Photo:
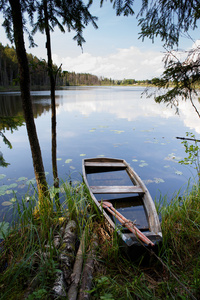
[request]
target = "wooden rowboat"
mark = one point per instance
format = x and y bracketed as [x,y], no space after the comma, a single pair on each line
[126,203]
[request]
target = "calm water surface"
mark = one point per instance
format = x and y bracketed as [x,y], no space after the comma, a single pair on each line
[99,121]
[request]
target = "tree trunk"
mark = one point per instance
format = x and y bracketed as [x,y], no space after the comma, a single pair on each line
[53,103]
[26,98]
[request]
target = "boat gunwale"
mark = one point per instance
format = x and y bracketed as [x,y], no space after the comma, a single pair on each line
[152,217]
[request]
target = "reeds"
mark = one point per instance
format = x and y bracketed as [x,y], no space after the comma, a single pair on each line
[32,256]
[175,273]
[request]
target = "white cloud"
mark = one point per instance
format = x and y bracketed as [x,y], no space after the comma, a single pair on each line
[127,106]
[125,63]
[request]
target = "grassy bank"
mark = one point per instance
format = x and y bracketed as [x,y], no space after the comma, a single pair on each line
[30,258]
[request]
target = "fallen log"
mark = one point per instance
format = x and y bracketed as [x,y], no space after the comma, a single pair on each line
[67,250]
[75,276]
[87,275]
[67,254]
[59,288]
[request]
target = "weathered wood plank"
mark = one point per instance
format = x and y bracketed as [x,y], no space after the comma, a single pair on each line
[105,164]
[116,189]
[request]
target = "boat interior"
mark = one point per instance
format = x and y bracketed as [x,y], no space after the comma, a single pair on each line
[114,184]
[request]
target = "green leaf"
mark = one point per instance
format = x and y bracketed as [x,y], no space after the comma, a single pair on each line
[4,228]
[68,160]
[2,176]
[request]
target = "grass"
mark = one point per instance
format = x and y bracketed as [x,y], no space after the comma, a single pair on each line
[31,255]
[175,274]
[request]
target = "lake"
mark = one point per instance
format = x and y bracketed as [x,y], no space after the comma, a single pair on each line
[99,121]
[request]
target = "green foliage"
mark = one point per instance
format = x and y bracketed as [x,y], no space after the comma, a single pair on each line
[4,229]
[122,7]
[74,16]
[181,227]
[168,19]
[102,284]
[192,150]
[3,163]
[33,259]
[11,123]
[39,294]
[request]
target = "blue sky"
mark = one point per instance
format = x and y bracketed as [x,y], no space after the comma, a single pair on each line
[113,50]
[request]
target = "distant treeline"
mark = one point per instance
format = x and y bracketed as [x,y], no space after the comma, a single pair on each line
[9,77]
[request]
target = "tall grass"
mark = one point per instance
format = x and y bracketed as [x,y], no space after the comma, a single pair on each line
[32,256]
[175,274]
[29,250]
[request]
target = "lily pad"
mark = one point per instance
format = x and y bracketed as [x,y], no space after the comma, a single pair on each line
[21,186]
[8,192]
[158,180]
[4,227]
[147,181]
[7,189]
[13,200]
[68,160]
[118,131]
[178,172]
[101,126]
[21,179]
[2,176]
[92,130]
[31,181]
[82,154]
[135,160]
[73,168]
[143,164]
[12,186]
[6,203]
[147,130]
[3,189]
[59,158]
[172,157]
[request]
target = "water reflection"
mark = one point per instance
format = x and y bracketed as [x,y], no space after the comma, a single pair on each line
[110,121]
[128,104]
[124,103]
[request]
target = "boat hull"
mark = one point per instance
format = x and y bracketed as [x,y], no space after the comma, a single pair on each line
[113,180]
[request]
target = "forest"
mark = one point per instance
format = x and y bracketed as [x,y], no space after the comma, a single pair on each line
[9,74]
